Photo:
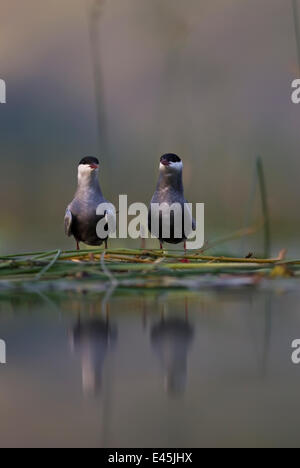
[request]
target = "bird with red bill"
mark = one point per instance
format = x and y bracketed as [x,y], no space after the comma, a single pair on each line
[81,217]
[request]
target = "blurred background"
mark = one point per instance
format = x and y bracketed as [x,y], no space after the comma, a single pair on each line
[128,80]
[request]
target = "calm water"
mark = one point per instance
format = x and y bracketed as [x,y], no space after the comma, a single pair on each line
[169,370]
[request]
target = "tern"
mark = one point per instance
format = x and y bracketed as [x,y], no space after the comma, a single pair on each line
[169,191]
[81,218]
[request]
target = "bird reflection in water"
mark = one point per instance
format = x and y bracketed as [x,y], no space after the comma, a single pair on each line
[171,340]
[93,339]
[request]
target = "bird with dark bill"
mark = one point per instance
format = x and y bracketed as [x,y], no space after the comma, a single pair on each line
[169,191]
[81,218]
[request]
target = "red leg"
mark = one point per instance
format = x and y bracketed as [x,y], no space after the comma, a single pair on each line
[185,260]
[77,245]
[161,246]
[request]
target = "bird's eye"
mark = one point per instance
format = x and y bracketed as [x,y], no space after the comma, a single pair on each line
[89,160]
[170,158]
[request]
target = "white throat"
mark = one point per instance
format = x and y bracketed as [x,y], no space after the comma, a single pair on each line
[87,175]
[174,167]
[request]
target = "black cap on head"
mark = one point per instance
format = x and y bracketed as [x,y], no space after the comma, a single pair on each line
[89,160]
[170,157]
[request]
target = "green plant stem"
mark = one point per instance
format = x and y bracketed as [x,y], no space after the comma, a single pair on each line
[295,10]
[264,204]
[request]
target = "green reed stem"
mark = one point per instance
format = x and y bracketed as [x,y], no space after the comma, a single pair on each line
[264,204]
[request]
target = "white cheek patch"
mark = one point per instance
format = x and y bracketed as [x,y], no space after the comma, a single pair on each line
[84,171]
[176,166]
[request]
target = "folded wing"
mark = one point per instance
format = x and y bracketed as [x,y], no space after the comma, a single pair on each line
[68,223]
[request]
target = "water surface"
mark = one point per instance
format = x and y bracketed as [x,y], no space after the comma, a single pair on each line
[150,370]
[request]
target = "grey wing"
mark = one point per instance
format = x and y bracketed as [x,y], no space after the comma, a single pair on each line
[68,222]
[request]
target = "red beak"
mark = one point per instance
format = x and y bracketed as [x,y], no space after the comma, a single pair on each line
[165,162]
[94,166]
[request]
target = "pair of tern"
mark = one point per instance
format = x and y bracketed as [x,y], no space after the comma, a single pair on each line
[81,218]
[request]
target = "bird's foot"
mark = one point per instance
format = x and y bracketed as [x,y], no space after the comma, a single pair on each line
[184,260]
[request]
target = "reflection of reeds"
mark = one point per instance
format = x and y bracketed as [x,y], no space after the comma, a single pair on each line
[295,9]
[94,14]
[267,333]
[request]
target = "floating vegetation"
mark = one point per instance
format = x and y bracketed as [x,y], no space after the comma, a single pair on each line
[127,268]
